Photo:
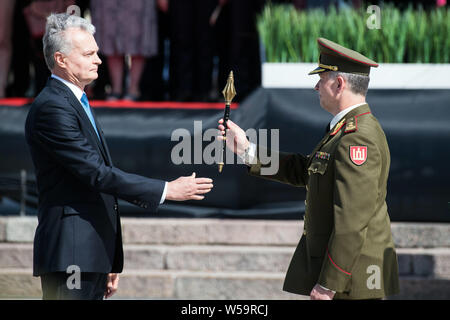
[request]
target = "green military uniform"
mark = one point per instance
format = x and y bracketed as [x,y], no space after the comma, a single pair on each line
[347,243]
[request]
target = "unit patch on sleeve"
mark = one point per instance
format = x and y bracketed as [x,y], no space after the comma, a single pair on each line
[358,154]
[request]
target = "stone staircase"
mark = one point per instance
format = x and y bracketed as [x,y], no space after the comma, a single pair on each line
[222,259]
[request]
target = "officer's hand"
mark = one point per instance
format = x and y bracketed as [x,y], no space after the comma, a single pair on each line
[236,139]
[188,188]
[112,283]
[319,293]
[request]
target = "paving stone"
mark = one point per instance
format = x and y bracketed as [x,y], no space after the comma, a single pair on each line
[144,257]
[232,286]
[164,231]
[230,258]
[145,284]
[255,232]
[14,255]
[21,229]
[422,262]
[19,284]
[420,235]
[139,284]
[223,231]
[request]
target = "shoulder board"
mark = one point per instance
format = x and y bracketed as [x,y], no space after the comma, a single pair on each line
[352,123]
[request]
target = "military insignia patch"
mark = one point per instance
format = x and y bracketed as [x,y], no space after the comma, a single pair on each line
[358,154]
[322,155]
[338,127]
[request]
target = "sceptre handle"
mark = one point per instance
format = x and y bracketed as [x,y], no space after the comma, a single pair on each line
[229,92]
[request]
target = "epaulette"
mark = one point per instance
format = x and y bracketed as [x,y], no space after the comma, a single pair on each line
[352,125]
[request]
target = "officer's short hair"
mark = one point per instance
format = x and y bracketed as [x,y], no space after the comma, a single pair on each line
[358,83]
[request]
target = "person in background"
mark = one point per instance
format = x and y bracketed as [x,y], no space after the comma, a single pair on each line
[441,3]
[191,49]
[238,45]
[6,18]
[125,28]
[309,4]
[35,14]
[154,80]
[21,55]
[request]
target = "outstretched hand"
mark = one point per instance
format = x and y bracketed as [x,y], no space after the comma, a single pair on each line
[188,188]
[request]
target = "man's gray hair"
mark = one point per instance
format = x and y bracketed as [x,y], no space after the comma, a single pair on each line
[54,38]
[358,83]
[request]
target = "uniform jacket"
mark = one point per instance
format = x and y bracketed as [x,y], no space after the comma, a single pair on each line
[78,215]
[347,242]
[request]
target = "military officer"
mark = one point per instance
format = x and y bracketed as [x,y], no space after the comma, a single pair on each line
[346,251]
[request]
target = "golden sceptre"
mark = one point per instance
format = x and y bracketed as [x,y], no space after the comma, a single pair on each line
[228,92]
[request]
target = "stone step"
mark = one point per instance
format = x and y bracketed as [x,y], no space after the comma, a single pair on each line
[434,262]
[229,232]
[139,284]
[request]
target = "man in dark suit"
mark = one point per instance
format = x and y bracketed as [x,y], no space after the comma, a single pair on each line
[79,226]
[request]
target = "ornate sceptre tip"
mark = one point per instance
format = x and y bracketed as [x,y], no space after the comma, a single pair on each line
[229,92]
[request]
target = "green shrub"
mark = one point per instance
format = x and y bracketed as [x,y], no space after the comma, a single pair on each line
[411,35]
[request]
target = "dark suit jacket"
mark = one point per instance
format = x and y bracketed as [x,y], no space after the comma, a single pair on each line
[79,222]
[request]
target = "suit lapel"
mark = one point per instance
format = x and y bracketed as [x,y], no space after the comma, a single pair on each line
[82,114]
[103,140]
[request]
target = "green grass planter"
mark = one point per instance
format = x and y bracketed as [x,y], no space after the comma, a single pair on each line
[408,36]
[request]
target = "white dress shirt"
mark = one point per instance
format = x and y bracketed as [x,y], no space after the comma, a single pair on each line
[78,94]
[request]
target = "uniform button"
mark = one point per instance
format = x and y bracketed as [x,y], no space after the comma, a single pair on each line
[116,207]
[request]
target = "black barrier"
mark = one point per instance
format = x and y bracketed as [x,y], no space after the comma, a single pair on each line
[415,123]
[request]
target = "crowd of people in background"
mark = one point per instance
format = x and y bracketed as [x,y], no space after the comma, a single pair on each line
[179,50]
